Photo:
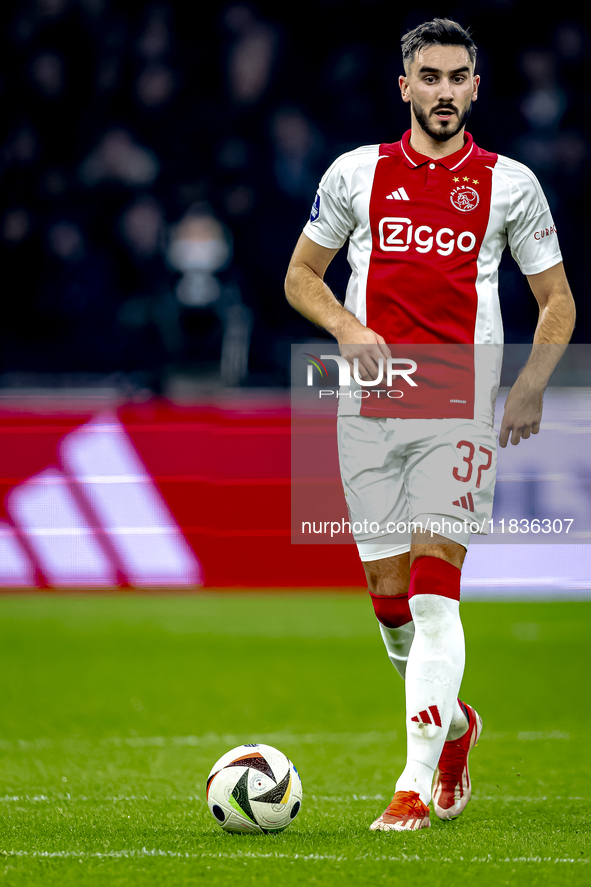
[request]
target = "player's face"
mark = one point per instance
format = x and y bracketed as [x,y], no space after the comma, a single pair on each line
[441,87]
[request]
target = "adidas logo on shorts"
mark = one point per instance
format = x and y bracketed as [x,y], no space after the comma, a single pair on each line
[466,502]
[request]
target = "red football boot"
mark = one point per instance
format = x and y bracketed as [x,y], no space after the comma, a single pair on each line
[451,783]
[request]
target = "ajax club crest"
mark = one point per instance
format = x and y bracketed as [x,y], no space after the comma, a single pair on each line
[464,198]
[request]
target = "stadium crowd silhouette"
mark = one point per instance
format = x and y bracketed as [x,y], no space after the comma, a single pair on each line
[158,162]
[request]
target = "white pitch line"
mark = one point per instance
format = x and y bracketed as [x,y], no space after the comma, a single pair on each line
[196,799]
[305,857]
[196,741]
[525,799]
[270,738]
[513,799]
[525,736]
[99,799]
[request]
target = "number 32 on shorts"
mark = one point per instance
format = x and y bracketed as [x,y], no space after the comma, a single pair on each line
[483,463]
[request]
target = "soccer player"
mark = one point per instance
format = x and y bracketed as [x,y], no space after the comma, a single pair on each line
[426,220]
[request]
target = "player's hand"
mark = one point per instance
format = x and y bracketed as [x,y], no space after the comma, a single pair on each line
[523,412]
[358,342]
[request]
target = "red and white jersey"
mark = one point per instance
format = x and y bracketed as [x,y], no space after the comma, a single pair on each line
[426,238]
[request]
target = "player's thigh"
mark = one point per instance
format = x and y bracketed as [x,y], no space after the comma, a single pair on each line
[450,480]
[372,472]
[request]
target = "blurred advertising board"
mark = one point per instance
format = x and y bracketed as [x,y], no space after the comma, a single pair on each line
[161,496]
[151,495]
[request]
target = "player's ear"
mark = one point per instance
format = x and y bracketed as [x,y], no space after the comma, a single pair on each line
[403,84]
[476,85]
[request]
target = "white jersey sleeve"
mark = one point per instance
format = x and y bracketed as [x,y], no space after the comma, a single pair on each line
[333,218]
[531,232]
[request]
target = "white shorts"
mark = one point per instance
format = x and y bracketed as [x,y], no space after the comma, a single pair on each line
[402,474]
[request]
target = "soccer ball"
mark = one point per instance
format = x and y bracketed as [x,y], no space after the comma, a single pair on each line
[254,788]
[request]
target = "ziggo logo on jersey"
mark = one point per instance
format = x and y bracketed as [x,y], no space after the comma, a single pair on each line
[397,235]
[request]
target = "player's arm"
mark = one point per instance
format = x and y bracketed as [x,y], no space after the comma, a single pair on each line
[523,407]
[307,292]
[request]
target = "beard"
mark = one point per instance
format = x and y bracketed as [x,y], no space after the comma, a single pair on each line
[446,132]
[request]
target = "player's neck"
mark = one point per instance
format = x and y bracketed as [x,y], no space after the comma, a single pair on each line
[424,144]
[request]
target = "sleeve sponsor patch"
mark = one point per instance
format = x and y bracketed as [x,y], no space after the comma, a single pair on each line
[315,211]
[545,232]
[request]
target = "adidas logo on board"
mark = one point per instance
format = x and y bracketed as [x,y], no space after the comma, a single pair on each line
[97,520]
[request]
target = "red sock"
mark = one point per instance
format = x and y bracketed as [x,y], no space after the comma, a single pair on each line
[391,611]
[433,575]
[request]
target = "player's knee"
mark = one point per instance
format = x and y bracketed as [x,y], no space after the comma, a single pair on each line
[393,612]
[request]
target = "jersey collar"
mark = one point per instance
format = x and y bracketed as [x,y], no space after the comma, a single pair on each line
[451,162]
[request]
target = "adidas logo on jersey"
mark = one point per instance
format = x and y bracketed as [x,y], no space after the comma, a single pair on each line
[400,194]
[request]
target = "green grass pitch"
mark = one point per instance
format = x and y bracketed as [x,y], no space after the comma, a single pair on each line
[114,708]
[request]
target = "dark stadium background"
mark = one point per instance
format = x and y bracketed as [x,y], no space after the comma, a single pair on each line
[119,120]
[158,162]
